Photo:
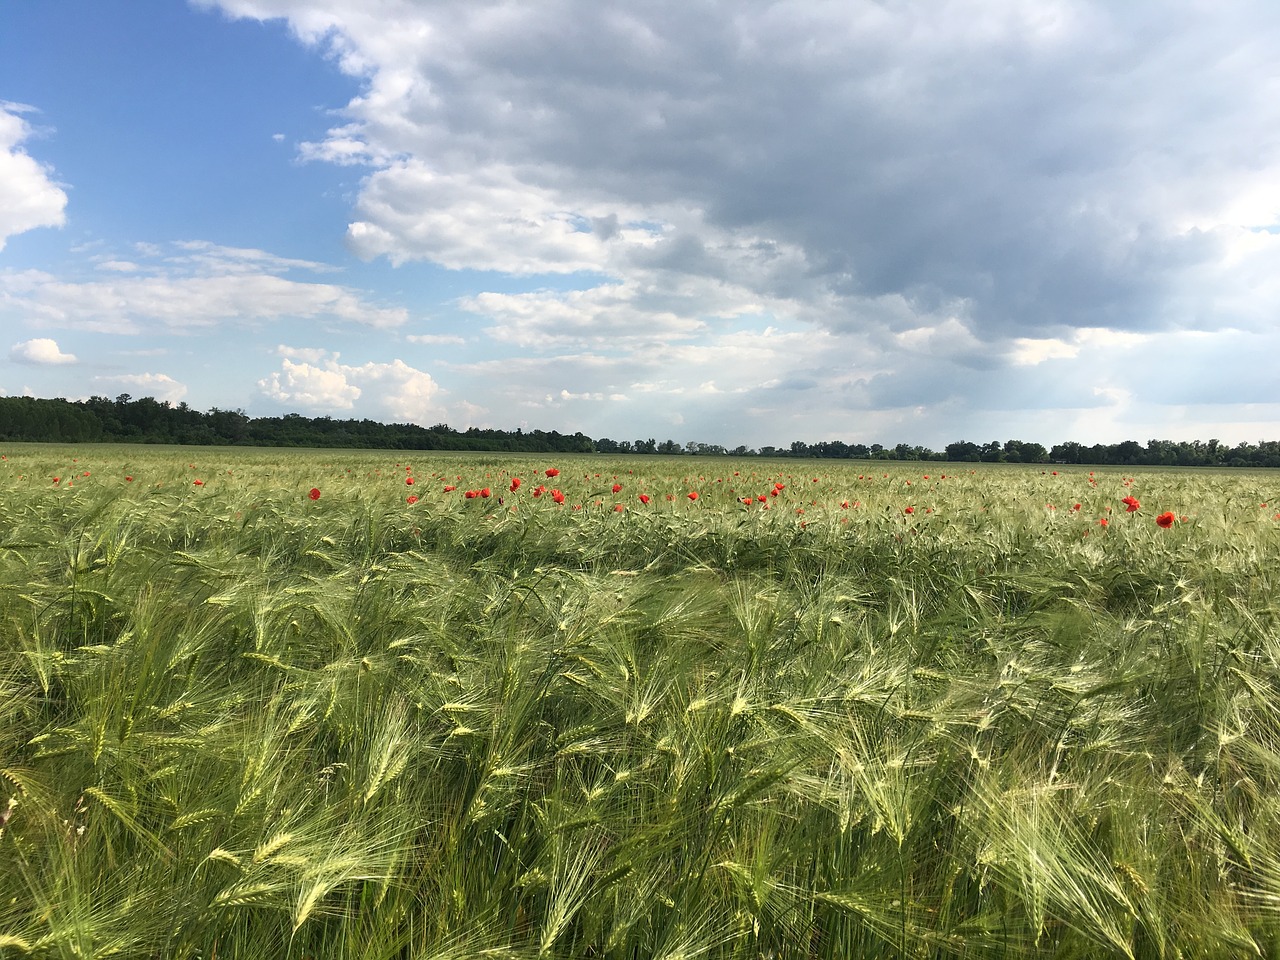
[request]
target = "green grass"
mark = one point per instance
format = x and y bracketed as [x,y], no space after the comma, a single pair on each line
[236,722]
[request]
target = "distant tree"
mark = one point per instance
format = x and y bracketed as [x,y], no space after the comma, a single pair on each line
[1069,452]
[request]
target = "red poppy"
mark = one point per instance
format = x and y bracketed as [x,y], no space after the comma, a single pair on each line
[1075,506]
[557,496]
[408,481]
[314,494]
[57,479]
[617,508]
[486,493]
[128,479]
[617,488]
[644,498]
[515,484]
[411,499]
[198,483]
[693,494]
[1165,519]
[909,510]
[1131,504]
[1104,522]
[553,472]
[539,491]
[449,488]
[471,494]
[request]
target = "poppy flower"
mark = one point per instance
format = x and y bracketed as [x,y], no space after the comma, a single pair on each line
[515,484]
[449,487]
[486,493]
[617,508]
[617,488]
[557,496]
[1131,504]
[553,472]
[909,510]
[1165,519]
[128,479]
[314,493]
[471,494]
[198,483]
[693,494]
[411,499]
[644,498]
[1075,507]
[539,491]
[1104,522]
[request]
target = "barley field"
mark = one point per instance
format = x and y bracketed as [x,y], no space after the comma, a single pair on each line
[264,703]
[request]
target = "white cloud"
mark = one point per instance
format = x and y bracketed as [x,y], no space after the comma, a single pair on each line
[320,382]
[118,266]
[211,259]
[1029,352]
[436,339]
[39,351]
[316,388]
[480,220]
[199,287]
[159,385]
[29,198]
[306,354]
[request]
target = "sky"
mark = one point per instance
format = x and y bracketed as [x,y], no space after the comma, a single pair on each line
[728,221]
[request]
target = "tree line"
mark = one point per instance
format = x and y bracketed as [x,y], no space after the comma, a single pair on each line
[147,420]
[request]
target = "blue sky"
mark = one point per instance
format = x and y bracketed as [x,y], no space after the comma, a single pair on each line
[745,222]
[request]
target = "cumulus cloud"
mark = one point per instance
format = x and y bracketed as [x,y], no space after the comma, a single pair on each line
[314,387]
[40,351]
[318,381]
[196,285]
[29,197]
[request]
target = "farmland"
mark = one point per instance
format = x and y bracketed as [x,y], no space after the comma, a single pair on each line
[346,704]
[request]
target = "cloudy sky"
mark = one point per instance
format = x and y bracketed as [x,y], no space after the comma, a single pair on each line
[733,221]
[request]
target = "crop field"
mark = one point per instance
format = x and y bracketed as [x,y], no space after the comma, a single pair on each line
[263,703]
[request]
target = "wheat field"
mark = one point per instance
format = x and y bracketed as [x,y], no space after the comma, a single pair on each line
[256,703]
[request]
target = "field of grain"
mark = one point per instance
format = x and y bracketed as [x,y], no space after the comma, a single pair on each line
[372,705]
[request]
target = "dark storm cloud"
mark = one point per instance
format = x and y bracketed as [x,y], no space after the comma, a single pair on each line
[1040,163]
